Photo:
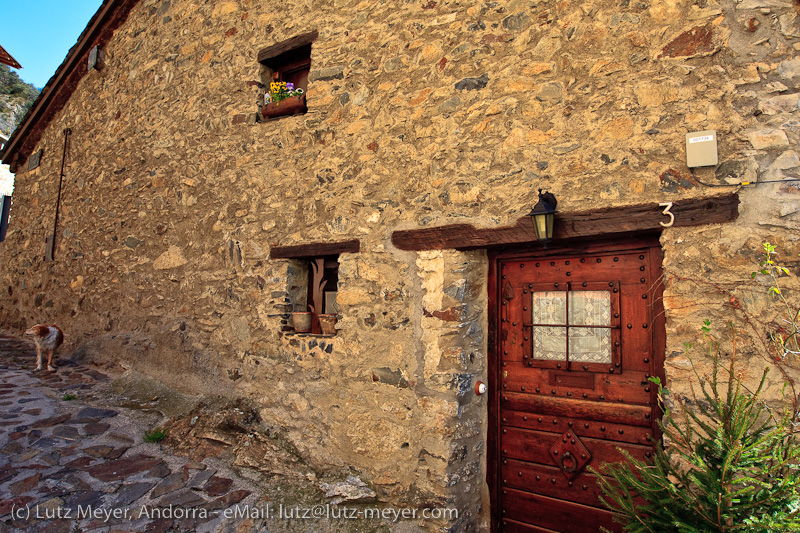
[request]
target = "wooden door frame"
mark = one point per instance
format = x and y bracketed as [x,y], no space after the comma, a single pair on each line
[658,331]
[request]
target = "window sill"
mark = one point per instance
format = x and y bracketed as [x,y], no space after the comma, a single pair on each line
[295,334]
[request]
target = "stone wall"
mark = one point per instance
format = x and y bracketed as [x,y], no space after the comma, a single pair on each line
[420,113]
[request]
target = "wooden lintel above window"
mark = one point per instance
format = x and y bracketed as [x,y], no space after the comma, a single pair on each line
[608,221]
[314,250]
[280,48]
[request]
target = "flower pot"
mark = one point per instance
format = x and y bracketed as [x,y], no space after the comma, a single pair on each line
[327,324]
[293,105]
[301,321]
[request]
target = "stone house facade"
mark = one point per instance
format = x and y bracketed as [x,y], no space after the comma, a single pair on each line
[162,220]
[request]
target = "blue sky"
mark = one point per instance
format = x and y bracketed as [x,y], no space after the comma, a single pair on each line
[39,33]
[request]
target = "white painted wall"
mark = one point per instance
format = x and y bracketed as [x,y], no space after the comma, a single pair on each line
[6,181]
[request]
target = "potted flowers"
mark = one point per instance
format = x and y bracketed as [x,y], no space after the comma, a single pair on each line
[283,99]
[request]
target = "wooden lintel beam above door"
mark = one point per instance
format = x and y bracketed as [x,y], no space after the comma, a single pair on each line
[608,221]
[314,250]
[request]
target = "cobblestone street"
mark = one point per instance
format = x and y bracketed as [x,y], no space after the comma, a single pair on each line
[70,460]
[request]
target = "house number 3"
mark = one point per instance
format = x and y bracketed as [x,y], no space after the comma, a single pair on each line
[667,206]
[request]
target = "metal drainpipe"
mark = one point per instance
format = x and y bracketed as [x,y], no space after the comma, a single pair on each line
[51,240]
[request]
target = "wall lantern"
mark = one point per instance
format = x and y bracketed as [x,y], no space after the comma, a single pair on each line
[543,215]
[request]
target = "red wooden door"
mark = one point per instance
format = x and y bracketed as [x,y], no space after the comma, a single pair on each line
[577,334]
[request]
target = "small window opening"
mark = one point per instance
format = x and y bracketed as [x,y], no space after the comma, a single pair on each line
[285,69]
[323,283]
[318,300]
[313,281]
[291,67]
[312,292]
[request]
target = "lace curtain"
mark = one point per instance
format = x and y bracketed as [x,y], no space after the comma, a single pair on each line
[586,308]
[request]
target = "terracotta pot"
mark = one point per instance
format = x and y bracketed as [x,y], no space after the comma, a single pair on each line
[290,106]
[301,321]
[327,324]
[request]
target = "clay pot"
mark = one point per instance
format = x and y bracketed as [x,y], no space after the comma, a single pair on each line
[301,321]
[327,324]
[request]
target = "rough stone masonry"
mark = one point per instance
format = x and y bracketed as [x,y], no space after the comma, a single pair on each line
[420,113]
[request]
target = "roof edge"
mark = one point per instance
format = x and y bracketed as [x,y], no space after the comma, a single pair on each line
[57,91]
[8,59]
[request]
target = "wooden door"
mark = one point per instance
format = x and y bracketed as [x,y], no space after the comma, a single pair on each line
[576,335]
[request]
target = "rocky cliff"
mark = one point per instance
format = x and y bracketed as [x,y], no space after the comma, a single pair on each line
[16,97]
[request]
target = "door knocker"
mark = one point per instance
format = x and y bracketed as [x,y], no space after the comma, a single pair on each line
[573,463]
[570,455]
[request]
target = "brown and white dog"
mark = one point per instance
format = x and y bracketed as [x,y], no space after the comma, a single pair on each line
[47,337]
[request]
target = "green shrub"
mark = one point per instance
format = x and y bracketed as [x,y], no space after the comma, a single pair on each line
[731,463]
[11,84]
[155,435]
[731,466]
